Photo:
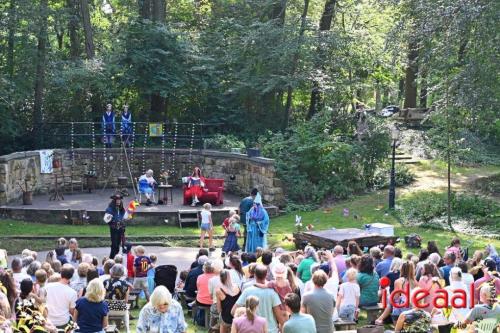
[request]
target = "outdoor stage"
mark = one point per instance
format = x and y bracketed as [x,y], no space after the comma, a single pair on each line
[93,205]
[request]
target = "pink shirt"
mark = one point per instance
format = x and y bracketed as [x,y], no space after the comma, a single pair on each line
[243,325]
[455,250]
[203,296]
[478,283]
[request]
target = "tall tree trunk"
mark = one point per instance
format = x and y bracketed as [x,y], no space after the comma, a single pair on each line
[325,24]
[74,39]
[401,90]
[423,89]
[159,11]
[145,8]
[11,42]
[40,71]
[288,105]
[87,29]
[158,102]
[378,97]
[411,77]
[278,12]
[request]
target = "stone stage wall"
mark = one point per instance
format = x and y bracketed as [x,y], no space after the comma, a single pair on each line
[240,173]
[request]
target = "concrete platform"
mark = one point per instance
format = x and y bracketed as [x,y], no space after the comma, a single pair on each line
[69,210]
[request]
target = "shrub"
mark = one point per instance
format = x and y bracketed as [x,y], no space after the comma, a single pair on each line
[224,142]
[315,162]
[382,177]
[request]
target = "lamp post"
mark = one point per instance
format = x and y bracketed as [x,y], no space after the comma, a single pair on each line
[392,186]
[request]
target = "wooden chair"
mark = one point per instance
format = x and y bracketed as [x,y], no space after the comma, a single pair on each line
[120,315]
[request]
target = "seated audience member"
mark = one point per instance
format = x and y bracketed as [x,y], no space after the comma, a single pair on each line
[338,252]
[190,287]
[348,297]
[201,252]
[203,297]
[39,287]
[91,274]
[227,294]
[17,274]
[106,268]
[488,268]
[29,311]
[384,266]
[73,253]
[179,285]
[415,320]
[5,314]
[368,281]
[455,249]
[56,266]
[449,260]
[32,268]
[91,311]
[61,299]
[394,272]
[488,307]
[491,253]
[376,254]
[354,249]
[456,283]
[117,288]
[250,281]
[250,321]
[147,185]
[298,322]
[320,304]
[81,281]
[268,299]
[280,285]
[304,268]
[161,314]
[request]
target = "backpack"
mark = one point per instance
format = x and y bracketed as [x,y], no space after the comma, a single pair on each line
[413,241]
[165,275]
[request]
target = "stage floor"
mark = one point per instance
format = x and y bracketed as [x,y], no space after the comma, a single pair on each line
[70,210]
[98,200]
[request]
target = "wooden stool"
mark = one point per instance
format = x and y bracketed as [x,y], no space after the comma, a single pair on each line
[372,312]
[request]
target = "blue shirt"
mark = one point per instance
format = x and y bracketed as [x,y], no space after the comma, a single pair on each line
[446,273]
[190,284]
[300,323]
[90,315]
[384,267]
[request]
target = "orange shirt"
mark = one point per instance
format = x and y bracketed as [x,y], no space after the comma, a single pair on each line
[203,296]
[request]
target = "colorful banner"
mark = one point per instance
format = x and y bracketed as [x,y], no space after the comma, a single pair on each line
[155,129]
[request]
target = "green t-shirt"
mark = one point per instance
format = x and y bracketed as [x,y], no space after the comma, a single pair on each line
[268,299]
[368,285]
[304,269]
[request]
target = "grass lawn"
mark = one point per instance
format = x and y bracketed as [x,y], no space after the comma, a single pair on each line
[363,209]
[441,168]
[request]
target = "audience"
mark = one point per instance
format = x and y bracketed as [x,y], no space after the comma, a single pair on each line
[61,299]
[286,292]
[320,303]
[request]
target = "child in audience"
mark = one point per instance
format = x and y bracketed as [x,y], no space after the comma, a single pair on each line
[226,223]
[182,280]
[129,262]
[206,225]
[39,287]
[142,263]
[151,273]
[73,253]
[348,296]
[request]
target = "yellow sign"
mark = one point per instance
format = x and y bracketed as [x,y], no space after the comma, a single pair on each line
[155,129]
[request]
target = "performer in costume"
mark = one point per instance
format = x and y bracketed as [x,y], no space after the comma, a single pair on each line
[245,206]
[196,184]
[108,126]
[114,217]
[147,185]
[257,221]
[127,136]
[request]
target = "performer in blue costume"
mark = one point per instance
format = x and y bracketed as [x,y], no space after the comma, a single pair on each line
[127,136]
[257,221]
[108,126]
[245,205]
[114,217]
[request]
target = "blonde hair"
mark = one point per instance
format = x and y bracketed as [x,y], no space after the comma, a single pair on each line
[319,278]
[251,307]
[232,212]
[41,276]
[207,206]
[240,311]
[140,249]
[160,296]
[55,277]
[95,291]
[351,274]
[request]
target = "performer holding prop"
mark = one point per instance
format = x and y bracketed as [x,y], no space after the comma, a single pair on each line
[115,217]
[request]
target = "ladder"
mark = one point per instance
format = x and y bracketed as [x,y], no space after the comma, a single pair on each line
[188,216]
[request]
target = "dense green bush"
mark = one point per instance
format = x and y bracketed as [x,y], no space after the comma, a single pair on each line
[315,162]
[382,177]
[424,206]
[224,142]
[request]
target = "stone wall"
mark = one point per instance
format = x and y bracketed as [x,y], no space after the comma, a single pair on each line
[240,173]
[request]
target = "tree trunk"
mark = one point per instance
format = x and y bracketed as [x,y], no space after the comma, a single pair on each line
[411,77]
[74,39]
[87,29]
[401,90]
[278,12]
[325,24]
[378,97]
[288,105]
[40,71]
[10,44]
[145,8]
[423,89]
[159,11]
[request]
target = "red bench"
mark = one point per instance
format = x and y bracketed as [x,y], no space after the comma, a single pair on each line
[213,192]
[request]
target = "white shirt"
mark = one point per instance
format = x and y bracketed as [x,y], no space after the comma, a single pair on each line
[349,291]
[213,284]
[60,299]
[332,286]
[236,278]
[205,216]
[18,277]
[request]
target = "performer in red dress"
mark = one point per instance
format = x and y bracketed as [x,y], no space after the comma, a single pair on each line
[195,186]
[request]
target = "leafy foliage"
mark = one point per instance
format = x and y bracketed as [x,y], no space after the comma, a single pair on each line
[224,142]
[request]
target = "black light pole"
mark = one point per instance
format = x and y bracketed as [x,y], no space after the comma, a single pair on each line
[392,186]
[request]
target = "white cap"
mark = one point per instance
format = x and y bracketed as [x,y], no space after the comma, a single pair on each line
[258,199]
